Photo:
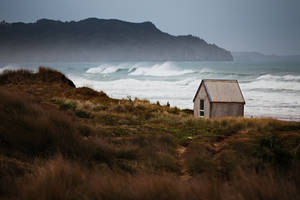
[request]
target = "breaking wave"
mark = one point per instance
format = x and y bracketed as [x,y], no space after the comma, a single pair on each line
[142,69]
[164,69]
[8,67]
[274,83]
[269,77]
[104,69]
[152,90]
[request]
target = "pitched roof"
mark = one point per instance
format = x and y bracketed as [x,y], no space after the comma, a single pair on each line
[227,91]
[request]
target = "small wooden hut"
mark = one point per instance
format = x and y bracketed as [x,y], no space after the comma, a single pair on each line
[219,98]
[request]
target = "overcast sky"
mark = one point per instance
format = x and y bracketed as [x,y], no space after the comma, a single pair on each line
[267,26]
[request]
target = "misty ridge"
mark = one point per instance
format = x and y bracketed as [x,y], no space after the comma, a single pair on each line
[260,57]
[95,39]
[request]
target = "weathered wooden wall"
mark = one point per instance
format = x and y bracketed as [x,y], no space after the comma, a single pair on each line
[201,95]
[227,109]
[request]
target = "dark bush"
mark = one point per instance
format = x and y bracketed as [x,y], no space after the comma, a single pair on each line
[270,149]
[82,114]
[67,106]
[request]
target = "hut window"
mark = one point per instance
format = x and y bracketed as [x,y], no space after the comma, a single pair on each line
[201,107]
[201,113]
[201,104]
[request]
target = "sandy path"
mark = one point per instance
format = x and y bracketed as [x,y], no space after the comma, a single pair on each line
[183,168]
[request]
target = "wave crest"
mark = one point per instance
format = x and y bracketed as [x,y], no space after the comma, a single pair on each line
[141,69]
[269,77]
[9,67]
[274,83]
[103,69]
[164,69]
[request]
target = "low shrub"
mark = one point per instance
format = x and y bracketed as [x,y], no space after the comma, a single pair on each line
[271,150]
[82,114]
[67,106]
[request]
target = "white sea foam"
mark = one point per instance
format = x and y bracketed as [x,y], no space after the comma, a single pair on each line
[9,67]
[270,104]
[273,95]
[272,82]
[163,91]
[272,85]
[279,78]
[164,69]
[103,69]
[206,70]
[144,69]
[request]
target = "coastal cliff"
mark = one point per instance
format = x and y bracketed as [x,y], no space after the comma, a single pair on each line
[101,40]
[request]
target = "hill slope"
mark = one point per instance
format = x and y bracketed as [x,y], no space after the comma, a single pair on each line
[101,40]
[62,142]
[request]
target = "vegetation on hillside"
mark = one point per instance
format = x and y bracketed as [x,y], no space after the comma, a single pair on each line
[62,142]
[97,40]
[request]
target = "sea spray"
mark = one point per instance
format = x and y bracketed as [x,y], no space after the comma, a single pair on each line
[9,67]
[164,69]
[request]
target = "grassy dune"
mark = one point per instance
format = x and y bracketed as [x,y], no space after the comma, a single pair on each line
[62,142]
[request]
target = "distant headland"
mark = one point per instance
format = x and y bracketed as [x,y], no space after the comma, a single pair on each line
[95,39]
[260,57]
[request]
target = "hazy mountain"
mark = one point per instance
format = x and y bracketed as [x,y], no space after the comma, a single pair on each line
[101,40]
[257,57]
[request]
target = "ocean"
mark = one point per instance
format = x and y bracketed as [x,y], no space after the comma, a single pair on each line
[271,89]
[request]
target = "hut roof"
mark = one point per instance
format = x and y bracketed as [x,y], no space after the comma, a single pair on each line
[223,91]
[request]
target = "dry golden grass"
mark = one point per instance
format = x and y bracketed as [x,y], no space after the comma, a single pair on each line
[60,179]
